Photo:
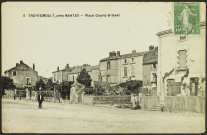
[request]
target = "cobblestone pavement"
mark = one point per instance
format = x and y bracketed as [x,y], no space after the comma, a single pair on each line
[20,116]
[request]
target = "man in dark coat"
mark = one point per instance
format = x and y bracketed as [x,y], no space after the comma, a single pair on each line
[40,99]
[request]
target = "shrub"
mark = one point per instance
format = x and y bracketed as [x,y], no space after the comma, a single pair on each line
[132,86]
[84,78]
[89,90]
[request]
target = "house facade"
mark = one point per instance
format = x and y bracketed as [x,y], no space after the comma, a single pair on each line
[181,64]
[22,75]
[150,59]
[61,75]
[119,68]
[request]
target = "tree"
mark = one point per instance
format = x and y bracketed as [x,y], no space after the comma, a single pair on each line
[39,84]
[84,78]
[6,83]
[64,88]
[49,84]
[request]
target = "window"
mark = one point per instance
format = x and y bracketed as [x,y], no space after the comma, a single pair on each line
[154,77]
[132,71]
[14,73]
[182,59]
[108,65]
[125,71]
[28,80]
[154,65]
[132,59]
[73,78]
[125,60]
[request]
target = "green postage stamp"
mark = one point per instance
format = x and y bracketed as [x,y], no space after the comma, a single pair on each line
[186,18]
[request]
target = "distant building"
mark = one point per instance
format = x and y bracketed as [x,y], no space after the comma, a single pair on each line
[119,68]
[22,75]
[181,63]
[150,68]
[93,71]
[44,79]
[61,75]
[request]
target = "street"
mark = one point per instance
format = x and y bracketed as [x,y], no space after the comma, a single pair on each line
[20,116]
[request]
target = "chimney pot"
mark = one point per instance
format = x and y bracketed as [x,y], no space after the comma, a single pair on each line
[133,51]
[58,68]
[33,66]
[151,47]
[21,62]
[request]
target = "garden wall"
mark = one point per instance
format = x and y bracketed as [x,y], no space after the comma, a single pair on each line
[89,99]
[148,102]
[189,103]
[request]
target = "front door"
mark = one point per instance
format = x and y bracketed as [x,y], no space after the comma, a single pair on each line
[194,86]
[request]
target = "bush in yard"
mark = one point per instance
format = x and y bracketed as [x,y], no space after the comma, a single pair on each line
[64,88]
[84,78]
[130,87]
[39,84]
[89,90]
[99,90]
[49,84]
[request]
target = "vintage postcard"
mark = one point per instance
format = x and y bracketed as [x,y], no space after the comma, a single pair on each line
[103,67]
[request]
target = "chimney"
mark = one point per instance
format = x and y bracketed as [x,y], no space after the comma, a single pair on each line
[21,62]
[67,66]
[110,54]
[58,68]
[17,64]
[133,51]
[118,53]
[33,66]
[151,47]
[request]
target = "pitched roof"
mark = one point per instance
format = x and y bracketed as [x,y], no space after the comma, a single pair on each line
[70,69]
[150,57]
[129,55]
[88,69]
[21,66]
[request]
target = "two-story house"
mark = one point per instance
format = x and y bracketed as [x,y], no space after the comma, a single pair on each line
[181,63]
[93,71]
[61,75]
[119,68]
[22,75]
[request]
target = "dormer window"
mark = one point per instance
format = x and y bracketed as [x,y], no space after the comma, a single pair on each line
[14,73]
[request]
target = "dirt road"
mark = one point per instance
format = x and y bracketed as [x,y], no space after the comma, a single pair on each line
[22,116]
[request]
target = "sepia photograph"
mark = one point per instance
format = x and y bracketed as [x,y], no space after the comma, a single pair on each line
[103,67]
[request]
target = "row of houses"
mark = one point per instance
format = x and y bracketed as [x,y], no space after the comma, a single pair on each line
[175,67]
[116,68]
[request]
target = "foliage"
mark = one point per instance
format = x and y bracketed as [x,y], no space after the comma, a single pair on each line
[39,84]
[49,84]
[185,75]
[64,88]
[84,78]
[89,90]
[167,74]
[99,90]
[6,83]
[132,86]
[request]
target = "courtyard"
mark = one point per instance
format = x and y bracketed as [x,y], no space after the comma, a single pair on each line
[20,116]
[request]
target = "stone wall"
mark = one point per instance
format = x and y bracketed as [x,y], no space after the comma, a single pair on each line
[189,103]
[148,102]
[89,99]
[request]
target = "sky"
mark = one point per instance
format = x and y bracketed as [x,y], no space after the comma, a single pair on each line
[55,41]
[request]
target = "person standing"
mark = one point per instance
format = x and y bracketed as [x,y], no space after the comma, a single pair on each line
[40,98]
